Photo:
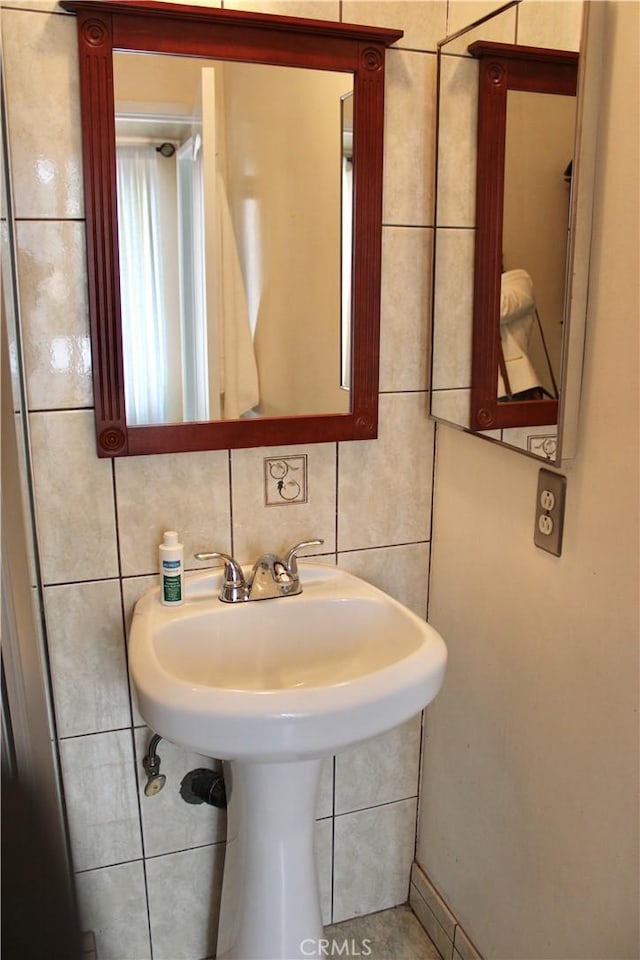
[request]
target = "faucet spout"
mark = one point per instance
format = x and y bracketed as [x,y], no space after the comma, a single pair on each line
[272,578]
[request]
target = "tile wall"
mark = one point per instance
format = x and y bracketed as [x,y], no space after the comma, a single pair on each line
[148,870]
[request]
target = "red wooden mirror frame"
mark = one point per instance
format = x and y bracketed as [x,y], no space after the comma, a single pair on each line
[503,67]
[144,25]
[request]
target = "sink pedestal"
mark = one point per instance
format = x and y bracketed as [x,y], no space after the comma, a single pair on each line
[270,907]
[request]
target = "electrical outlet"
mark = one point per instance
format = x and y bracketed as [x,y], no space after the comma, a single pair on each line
[285,480]
[550,497]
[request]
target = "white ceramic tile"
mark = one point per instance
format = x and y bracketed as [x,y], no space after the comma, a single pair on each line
[424,23]
[453,309]
[373,852]
[100,794]
[402,572]
[112,902]
[324,806]
[132,590]
[74,497]
[258,528]
[384,485]
[408,138]
[169,823]
[43,106]
[544,24]
[462,13]
[36,6]
[311,9]
[87,656]
[457,147]
[379,771]
[452,406]
[404,308]
[184,902]
[324,865]
[187,492]
[55,323]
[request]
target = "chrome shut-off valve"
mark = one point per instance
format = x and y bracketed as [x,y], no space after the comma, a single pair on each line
[151,765]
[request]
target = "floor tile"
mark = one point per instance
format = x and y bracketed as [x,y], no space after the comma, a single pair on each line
[389,935]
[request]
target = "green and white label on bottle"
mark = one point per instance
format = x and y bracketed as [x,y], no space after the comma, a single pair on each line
[171,581]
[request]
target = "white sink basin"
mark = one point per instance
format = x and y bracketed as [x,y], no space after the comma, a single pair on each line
[281,679]
[272,686]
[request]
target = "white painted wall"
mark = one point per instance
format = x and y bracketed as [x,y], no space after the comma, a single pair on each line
[529,812]
[295,197]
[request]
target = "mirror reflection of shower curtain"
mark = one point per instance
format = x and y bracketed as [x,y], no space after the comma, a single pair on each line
[144,341]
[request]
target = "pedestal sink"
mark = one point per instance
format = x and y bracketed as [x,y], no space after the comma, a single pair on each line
[272,687]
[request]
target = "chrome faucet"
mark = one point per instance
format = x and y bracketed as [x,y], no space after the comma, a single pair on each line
[270,577]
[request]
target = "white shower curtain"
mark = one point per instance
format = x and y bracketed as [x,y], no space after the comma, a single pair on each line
[144,340]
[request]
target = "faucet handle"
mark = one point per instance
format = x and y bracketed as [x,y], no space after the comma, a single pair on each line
[290,559]
[234,586]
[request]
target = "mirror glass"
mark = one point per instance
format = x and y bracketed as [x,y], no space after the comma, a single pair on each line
[234,230]
[523,301]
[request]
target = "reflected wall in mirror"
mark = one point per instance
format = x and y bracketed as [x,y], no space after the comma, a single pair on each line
[234,271]
[506,222]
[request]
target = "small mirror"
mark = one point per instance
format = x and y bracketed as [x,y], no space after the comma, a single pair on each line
[508,214]
[233,185]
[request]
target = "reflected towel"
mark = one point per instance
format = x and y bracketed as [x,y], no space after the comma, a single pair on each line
[517,318]
[517,296]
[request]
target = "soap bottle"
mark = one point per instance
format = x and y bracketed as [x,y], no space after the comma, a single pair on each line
[171,569]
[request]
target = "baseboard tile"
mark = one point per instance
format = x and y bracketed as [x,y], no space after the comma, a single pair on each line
[428,920]
[463,947]
[437,919]
[89,946]
[433,900]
